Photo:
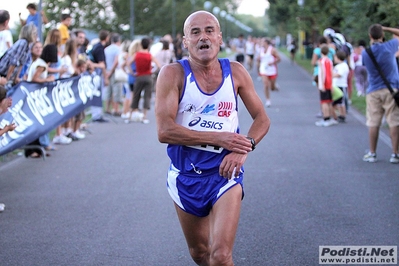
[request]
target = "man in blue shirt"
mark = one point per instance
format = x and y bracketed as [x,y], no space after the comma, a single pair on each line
[378,98]
[33,16]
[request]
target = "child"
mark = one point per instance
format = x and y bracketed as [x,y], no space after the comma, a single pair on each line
[81,67]
[340,79]
[337,104]
[324,81]
[5,103]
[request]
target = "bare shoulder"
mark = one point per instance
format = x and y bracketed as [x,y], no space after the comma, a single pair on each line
[170,77]
[171,70]
[240,74]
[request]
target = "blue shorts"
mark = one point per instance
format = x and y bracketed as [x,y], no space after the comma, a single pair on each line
[197,194]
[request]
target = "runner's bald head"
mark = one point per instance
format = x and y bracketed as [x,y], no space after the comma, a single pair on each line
[199,15]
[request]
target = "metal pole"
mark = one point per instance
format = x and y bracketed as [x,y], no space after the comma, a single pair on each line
[132,19]
[39,26]
[174,18]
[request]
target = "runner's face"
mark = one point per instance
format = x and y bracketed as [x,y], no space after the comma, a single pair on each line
[202,36]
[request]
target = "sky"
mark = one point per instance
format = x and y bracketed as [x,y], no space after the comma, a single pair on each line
[251,7]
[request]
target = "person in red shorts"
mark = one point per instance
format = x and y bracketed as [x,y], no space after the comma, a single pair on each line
[324,82]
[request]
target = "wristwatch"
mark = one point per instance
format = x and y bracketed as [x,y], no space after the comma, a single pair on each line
[252,143]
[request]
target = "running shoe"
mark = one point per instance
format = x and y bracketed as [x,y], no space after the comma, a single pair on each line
[370,157]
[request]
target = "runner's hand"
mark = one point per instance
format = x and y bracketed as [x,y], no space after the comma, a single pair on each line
[231,165]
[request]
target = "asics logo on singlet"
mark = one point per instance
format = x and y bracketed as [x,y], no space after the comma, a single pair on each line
[208,108]
[205,123]
[194,121]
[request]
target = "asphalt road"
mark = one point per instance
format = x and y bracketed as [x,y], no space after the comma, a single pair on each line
[103,200]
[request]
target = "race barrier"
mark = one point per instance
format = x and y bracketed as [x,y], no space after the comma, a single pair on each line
[38,108]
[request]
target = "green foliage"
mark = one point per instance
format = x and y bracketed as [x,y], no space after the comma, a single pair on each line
[351,17]
[152,17]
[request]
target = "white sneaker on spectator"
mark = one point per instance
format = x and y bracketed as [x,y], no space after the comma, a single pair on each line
[137,117]
[333,121]
[268,103]
[394,158]
[61,140]
[125,116]
[78,134]
[324,123]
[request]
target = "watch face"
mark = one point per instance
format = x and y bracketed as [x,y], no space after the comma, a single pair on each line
[252,142]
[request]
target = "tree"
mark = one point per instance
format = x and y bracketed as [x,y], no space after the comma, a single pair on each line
[350,17]
[152,17]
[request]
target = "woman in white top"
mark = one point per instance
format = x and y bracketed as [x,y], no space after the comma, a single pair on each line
[267,68]
[38,72]
[69,59]
[69,63]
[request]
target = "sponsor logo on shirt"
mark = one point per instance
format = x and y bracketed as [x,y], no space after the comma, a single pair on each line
[208,124]
[224,109]
[208,108]
[190,108]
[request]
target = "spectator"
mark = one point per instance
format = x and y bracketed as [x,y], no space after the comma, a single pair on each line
[361,80]
[5,103]
[178,46]
[143,82]
[97,61]
[80,38]
[324,82]
[340,79]
[81,67]
[17,56]
[114,90]
[6,40]
[134,47]
[38,72]
[33,16]
[379,100]
[165,56]
[317,55]
[68,61]
[127,99]
[63,28]
[53,40]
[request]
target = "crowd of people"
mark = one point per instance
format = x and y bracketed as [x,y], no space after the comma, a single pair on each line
[128,68]
[337,65]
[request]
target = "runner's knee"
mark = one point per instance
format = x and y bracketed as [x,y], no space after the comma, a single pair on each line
[221,256]
[199,254]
